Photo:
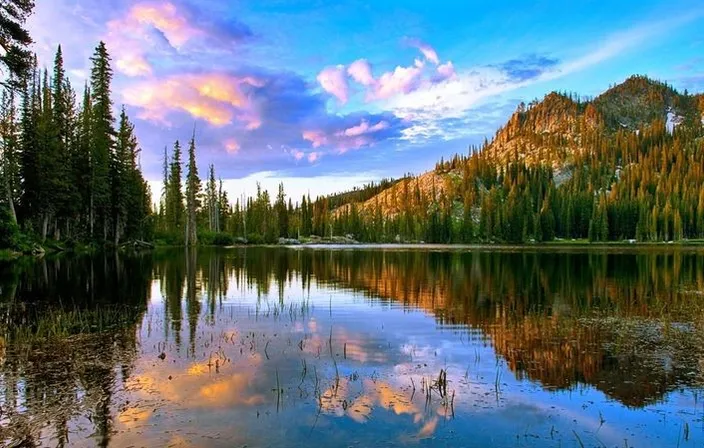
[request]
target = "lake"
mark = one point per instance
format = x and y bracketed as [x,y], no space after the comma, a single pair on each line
[284,347]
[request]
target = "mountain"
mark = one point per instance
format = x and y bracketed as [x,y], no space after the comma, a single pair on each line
[627,164]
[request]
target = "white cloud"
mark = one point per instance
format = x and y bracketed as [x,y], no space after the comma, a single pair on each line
[431,103]
[295,187]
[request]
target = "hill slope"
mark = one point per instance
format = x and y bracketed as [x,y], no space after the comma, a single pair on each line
[580,167]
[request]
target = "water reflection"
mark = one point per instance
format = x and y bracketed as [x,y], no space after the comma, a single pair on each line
[263,347]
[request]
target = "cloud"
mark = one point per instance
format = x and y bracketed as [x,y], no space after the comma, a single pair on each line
[444,72]
[334,81]
[341,134]
[364,128]
[162,27]
[297,186]
[232,146]
[528,67]
[316,138]
[399,81]
[428,52]
[217,98]
[361,71]
[432,104]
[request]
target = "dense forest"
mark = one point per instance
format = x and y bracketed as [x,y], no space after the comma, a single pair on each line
[627,165]
[69,167]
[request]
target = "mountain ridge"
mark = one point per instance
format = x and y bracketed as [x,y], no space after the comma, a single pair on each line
[564,135]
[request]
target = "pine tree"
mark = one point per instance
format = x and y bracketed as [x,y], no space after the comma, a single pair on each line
[281,212]
[213,202]
[102,139]
[16,58]
[193,187]
[9,157]
[174,209]
[81,161]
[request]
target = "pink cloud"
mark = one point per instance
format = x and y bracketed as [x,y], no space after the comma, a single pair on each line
[217,98]
[342,140]
[354,143]
[232,146]
[361,71]
[167,19]
[428,52]
[334,81]
[314,156]
[148,23]
[445,71]
[317,138]
[298,155]
[132,63]
[401,80]
[129,36]
[363,128]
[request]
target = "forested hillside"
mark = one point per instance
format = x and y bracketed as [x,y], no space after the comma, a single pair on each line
[627,165]
[69,167]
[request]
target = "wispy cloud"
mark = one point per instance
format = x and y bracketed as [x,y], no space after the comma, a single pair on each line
[354,132]
[428,52]
[430,105]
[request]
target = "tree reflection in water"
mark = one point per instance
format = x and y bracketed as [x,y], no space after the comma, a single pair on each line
[75,330]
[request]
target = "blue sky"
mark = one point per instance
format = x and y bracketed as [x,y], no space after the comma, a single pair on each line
[326,95]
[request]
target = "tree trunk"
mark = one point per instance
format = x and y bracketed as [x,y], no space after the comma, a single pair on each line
[45,227]
[91,215]
[117,230]
[11,203]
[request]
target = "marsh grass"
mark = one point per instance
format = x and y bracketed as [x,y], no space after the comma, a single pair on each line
[60,322]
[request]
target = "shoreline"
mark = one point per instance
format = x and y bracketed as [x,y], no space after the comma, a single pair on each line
[566,246]
[559,246]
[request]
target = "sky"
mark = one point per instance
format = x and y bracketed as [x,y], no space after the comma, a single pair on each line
[327,95]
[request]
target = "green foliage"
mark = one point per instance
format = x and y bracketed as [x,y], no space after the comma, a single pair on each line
[9,231]
[15,57]
[66,171]
[207,238]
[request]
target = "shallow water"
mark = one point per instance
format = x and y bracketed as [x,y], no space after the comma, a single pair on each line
[365,347]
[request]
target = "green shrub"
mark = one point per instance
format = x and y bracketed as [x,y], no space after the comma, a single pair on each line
[206,238]
[162,238]
[10,237]
[222,239]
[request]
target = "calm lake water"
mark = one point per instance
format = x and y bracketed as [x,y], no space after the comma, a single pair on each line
[282,347]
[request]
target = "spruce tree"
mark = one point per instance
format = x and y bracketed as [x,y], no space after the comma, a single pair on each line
[102,139]
[15,58]
[174,209]
[193,187]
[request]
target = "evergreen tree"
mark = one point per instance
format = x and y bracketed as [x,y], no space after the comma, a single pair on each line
[281,212]
[174,208]
[102,139]
[16,58]
[193,187]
